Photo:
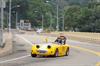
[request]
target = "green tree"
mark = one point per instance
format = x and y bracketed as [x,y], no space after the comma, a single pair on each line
[72,16]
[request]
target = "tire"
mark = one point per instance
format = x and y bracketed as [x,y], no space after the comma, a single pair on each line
[33,55]
[56,53]
[67,52]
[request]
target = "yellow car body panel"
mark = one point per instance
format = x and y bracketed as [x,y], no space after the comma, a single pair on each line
[45,51]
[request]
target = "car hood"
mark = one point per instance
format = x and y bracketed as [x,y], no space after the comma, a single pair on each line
[44,46]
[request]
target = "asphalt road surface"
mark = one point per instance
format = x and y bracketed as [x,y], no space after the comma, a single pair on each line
[81,53]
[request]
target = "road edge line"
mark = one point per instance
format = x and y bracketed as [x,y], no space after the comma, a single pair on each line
[98,64]
[87,50]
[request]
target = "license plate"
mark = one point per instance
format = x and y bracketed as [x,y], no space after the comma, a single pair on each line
[41,51]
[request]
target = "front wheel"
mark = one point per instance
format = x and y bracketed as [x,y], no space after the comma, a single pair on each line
[56,53]
[33,55]
[67,52]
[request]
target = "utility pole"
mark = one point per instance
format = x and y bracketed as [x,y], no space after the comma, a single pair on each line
[63,22]
[2,14]
[50,17]
[57,15]
[10,15]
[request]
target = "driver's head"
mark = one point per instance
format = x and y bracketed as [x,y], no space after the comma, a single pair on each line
[61,34]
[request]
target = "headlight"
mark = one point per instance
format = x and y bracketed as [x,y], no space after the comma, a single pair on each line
[48,46]
[37,46]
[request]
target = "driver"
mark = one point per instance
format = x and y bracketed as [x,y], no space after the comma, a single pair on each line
[61,39]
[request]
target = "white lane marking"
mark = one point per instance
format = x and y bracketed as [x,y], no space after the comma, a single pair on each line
[85,49]
[14,59]
[24,39]
[98,64]
[18,57]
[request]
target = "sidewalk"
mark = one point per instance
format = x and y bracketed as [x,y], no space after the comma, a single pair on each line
[8,45]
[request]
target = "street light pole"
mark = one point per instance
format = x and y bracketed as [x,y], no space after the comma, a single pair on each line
[57,15]
[10,15]
[63,22]
[42,16]
[2,18]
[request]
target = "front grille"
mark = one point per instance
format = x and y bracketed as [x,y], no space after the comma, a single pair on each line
[41,51]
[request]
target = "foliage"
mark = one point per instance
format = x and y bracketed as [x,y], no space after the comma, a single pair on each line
[80,15]
[83,18]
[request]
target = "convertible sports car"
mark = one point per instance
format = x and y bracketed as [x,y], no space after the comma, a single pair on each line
[50,49]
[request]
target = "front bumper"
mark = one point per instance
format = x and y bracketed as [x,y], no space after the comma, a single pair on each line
[43,52]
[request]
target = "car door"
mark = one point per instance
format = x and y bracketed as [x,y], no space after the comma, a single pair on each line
[63,49]
[60,48]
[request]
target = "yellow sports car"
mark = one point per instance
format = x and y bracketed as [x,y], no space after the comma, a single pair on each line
[50,49]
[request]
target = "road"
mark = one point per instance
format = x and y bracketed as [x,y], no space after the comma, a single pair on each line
[81,53]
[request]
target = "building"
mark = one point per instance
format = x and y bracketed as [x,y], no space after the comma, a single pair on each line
[24,25]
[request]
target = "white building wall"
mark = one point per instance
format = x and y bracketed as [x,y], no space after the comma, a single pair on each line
[24,25]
